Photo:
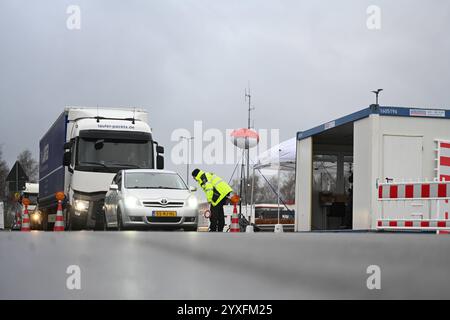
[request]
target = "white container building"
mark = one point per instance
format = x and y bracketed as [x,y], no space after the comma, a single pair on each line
[371,145]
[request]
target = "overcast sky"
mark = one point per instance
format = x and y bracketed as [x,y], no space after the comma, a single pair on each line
[184,60]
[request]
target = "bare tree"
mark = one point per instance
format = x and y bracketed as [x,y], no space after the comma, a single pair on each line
[29,164]
[265,189]
[287,189]
[4,170]
[263,192]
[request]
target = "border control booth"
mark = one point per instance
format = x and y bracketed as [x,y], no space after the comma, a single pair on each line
[339,163]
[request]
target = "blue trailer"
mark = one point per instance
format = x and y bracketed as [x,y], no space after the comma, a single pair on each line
[51,168]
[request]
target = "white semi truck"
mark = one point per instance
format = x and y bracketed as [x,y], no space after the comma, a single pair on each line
[82,152]
[31,192]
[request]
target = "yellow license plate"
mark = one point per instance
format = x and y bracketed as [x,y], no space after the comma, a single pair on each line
[164,213]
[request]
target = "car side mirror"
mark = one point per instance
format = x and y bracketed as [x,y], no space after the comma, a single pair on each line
[114,187]
[159,149]
[67,158]
[159,162]
[192,189]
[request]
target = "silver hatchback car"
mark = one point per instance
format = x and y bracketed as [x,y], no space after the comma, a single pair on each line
[145,198]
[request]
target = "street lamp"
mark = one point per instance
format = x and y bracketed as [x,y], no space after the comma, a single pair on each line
[188,140]
[377,92]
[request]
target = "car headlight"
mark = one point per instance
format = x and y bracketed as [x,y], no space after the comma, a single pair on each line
[36,217]
[132,202]
[81,205]
[193,202]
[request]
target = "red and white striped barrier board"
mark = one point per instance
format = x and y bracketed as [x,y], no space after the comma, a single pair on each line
[423,190]
[444,161]
[413,224]
[436,191]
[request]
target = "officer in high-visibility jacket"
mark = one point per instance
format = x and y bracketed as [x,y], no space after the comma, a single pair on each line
[217,192]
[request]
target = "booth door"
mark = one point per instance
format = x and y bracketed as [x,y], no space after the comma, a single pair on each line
[402,161]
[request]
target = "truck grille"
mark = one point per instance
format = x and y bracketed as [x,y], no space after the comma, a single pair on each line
[157,204]
[164,219]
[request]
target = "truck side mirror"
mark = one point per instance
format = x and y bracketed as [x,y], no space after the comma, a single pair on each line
[159,150]
[68,145]
[67,158]
[159,162]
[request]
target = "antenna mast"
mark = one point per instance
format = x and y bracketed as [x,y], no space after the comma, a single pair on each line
[248,97]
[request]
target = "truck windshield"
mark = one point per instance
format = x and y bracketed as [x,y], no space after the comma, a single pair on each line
[105,154]
[153,180]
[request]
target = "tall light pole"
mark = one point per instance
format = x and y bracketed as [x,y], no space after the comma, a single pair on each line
[377,92]
[188,140]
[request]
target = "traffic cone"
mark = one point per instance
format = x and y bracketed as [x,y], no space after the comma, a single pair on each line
[25,221]
[59,222]
[235,220]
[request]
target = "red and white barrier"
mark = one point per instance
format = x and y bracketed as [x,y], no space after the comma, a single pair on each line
[19,218]
[25,220]
[412,191]
[59,223]
[443,160]
[421,192]
[235,220]
[414,224]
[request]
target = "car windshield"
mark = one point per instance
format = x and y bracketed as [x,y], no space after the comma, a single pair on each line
[154,180]
[106,153]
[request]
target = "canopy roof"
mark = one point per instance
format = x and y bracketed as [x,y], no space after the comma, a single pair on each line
[281,156]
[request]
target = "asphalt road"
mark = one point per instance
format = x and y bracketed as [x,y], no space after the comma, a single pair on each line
[176,265]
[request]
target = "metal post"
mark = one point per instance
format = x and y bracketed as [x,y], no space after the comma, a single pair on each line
[247,178]
[242,183]
[278,195]
[17,177]
[377,92]
[251,197]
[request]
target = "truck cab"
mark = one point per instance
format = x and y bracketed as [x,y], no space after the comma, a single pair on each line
[98,143]
[31,192]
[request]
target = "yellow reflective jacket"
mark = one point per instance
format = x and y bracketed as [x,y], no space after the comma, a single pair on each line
[214,187]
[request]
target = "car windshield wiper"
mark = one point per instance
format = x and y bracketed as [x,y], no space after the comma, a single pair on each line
[138,187]
[125,165]
[160,187]
[96,163]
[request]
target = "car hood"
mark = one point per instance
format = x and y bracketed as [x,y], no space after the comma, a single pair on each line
[157,194]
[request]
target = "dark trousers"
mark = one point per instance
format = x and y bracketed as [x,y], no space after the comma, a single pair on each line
[217,218]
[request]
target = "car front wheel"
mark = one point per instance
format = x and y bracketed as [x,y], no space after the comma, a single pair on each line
[105,222]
